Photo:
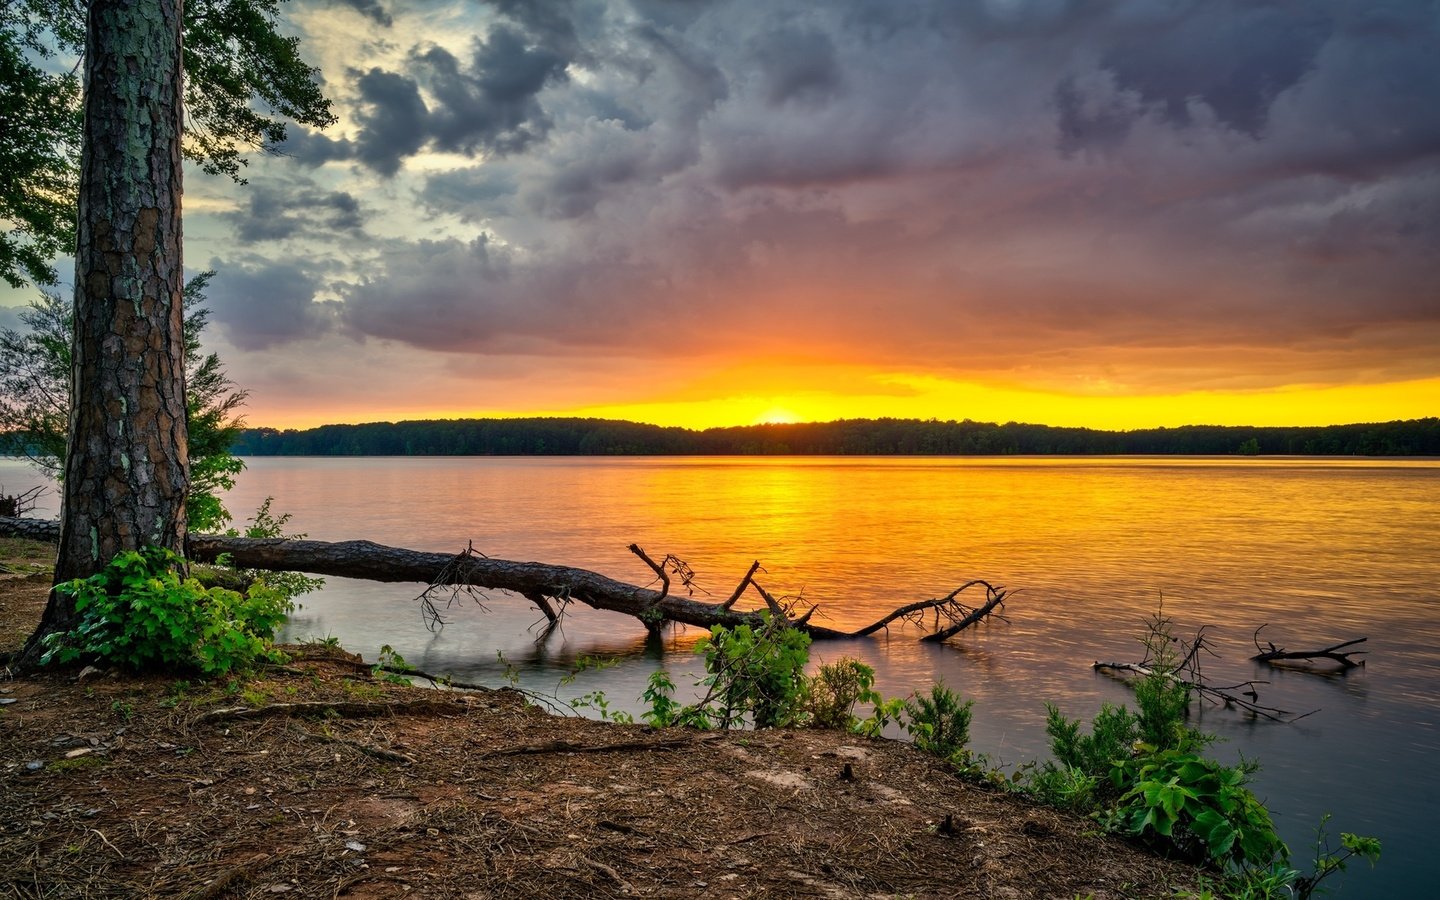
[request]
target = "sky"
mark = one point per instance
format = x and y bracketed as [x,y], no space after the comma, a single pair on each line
[1114,214]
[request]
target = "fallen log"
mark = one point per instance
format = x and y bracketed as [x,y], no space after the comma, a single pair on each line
[1335,653]
[549,587]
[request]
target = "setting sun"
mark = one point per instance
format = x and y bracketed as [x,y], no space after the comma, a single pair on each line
[777,416]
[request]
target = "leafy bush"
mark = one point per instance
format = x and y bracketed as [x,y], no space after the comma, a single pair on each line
[1112,737]
[1066,787]
[759,671]
[140,613]
[831,694]
[664,711]
[939,722]
[1199,806]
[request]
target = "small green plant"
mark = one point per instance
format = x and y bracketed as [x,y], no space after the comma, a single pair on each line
[831,694]
[386,664]
[140,613]
[1197,805]
[1278,881]
[881,715]
[598,701]
[361,690]
[1079,776]
[939,723]
[758,671]
[1329,861]
[1066,787]
[588,664]
[508,671]
[266,524]
[123,709]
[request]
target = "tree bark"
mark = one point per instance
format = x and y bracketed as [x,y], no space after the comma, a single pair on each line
[126,469]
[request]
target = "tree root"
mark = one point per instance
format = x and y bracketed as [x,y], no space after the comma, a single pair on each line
[351,710]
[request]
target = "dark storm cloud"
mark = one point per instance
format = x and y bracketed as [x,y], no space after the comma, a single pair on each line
[313,149]
[262,304]
[798,66]
[490,105]
[1055,178]
[486,102]
[393,120]
[270,212]
[372,10]
[1234,57]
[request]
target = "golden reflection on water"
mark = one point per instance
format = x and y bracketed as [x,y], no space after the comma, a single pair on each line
[1089,541]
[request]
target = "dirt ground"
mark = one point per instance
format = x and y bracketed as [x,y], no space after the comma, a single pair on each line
[322,780]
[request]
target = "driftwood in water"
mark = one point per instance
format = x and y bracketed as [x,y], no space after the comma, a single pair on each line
[12,505]
[1242,696]
[1178,660]
[551,587]
[1335,653]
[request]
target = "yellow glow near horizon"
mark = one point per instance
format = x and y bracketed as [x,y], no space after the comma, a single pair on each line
[933,398]
[777,416]
[912,396]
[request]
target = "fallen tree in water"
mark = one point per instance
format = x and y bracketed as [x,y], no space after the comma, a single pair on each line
[1335,653]
[552,587]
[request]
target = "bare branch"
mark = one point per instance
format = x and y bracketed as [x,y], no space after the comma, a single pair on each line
[1335,653]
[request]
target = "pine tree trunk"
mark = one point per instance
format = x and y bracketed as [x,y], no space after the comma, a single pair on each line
[127,470]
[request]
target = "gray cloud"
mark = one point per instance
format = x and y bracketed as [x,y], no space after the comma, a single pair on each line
[270,212]
[1234,57]
[1047,181]
[312,149]
[393,120]
[370,9]
[262,304]
[492,105]
[797,66]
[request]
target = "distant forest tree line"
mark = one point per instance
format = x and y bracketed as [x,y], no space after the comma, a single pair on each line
[850,437]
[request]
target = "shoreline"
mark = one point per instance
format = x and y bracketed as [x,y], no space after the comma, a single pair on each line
[159,787]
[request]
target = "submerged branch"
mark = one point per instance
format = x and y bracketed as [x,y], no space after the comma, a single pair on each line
[1335,653]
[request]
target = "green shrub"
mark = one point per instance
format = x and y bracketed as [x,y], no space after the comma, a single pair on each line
[831,693]
[1163,696]
[1112,737]
[140,614]
[756,671]
[939,722]
[1066,787]
[266,524]
[1198,806]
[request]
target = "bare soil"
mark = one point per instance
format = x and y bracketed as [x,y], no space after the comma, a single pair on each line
[321,780]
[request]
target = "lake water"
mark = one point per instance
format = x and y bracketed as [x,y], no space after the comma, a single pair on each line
[1320,549]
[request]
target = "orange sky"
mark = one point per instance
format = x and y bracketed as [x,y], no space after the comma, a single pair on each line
[922,396]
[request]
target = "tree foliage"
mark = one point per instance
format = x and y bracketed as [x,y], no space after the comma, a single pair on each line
[35,399]
[40,119]
[858,437]
[243,80]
